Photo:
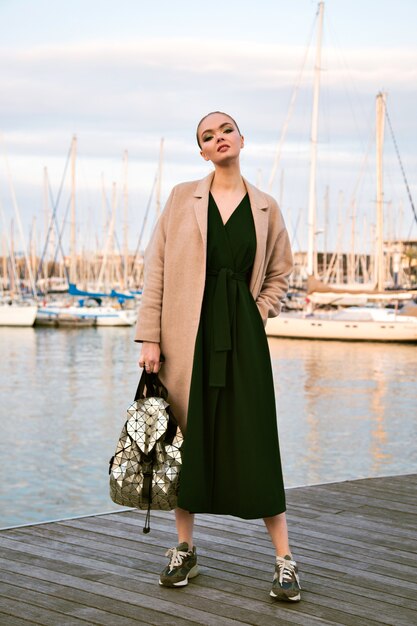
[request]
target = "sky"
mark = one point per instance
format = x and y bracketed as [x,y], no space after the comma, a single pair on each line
[122,75]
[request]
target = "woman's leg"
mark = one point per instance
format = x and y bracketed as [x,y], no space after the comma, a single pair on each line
[286,584]
[185,526]
[277,528]
[182,563]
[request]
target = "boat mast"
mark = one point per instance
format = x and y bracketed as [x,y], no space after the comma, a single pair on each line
[12,282]
[312,196]
[46,222]
[15,275]
[33,244]
[125,225]
[73,252]
[19,225]
[339,256]
[109,246]
[111,280]
[4,255]
[352,259]
[326,228]
[379,252]
[159,179]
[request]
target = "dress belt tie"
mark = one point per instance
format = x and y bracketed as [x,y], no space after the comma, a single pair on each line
[224,307]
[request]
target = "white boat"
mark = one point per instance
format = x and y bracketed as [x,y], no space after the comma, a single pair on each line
[17,314]
[354,324]
[60,315]
[109,316]
[359,323]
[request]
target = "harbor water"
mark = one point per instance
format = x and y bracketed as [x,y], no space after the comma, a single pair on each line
[345,411]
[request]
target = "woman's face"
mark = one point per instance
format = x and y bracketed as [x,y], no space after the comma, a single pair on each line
[219,138]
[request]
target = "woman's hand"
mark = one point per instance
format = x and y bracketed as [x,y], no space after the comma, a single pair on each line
[150,357]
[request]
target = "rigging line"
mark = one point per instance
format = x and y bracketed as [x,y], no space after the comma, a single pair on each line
[291,108]
[54,211]
[347,79]
[116,238]
[401,163]
[364,166]
[10,251]
[294,238]
[16,210]
[410,229]
[144,223]
[60,234]
[347,75]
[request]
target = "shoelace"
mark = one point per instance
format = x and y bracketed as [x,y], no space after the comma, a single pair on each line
[286,569]
[177,557]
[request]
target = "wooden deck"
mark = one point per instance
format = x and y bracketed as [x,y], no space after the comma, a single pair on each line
[355,543]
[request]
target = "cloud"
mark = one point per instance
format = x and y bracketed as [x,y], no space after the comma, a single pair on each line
[119,95]
[101,80]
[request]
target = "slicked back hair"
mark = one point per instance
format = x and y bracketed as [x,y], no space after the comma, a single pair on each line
[212,113]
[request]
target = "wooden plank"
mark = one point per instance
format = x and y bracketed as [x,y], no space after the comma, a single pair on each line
[314,583]
[343,534]
[309,538]
[189,602]
[45,617]
[231,559]
[118,565]
[264,617]
[177,604]
[10,620]
[373,490]
[342,523]
[395,516]
[355,534]
[326,596]
[263,559]
[337,496]
[402,482]
[109,604]
[42,599]
[254,619]
[339,606]
[62,539]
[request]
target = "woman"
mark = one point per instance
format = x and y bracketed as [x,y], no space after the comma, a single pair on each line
[216,267]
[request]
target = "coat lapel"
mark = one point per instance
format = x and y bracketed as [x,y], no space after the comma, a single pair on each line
[259,206]
[201,196]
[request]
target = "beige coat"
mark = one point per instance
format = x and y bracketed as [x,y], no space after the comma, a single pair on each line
[175,272]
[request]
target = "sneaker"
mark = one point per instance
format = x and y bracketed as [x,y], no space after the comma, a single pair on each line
[182,566]
[286,584]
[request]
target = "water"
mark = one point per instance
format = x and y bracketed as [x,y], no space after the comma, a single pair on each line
[345,410]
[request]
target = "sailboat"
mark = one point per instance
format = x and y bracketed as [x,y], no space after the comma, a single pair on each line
[16,313]
[356,323]
[353,324]
[85,313]
[89,310]
[15,309]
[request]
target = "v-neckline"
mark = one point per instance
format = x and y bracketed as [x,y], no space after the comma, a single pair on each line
[232,213]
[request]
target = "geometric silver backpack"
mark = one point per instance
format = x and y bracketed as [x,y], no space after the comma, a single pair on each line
[145,469]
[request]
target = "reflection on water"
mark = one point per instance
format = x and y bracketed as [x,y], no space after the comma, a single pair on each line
[64,395]
[345,410]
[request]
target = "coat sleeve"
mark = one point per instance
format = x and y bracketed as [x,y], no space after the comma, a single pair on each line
[278,269]
[148,326]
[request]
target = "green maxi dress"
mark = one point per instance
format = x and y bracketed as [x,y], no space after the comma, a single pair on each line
[231,459]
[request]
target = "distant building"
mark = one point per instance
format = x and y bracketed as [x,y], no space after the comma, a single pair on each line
[333,267]
[400,266]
